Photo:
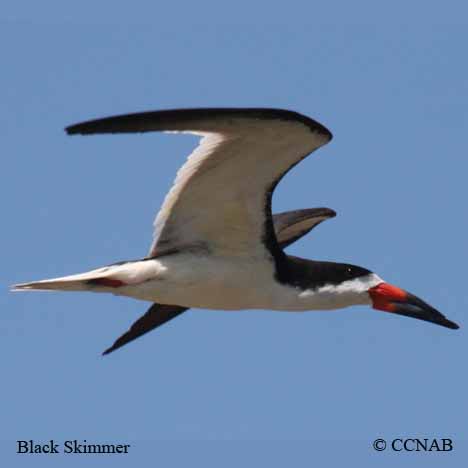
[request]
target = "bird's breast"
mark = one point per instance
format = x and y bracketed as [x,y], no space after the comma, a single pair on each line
[209,282]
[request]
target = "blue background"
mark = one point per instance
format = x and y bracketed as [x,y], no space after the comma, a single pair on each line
[248,388]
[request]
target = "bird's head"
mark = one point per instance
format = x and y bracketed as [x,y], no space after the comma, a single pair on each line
[343,285]
[389,298]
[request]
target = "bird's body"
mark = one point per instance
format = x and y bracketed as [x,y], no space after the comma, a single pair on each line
[199,280]
[217,244]
[207,282]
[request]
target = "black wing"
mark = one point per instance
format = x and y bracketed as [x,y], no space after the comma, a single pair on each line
[290,226]
[157,315]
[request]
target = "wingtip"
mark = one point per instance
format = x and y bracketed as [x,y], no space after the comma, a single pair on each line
[327,133]
[84,128]
[111,349]
[331,213]
[322,211]
[72,130]
[452,325]
[21,287]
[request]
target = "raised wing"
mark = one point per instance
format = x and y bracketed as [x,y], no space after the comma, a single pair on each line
[221,197]
[289,227]
[292,225]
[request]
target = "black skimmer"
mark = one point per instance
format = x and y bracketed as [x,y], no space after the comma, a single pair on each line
[216,243]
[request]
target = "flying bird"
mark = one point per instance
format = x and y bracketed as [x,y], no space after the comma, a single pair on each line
[216,243]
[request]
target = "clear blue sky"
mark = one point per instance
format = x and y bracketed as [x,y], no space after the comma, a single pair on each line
[253,388]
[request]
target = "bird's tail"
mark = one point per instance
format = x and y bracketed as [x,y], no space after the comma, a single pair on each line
[79,282]
[102,279]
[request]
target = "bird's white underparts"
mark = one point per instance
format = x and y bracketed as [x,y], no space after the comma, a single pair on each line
[217,244]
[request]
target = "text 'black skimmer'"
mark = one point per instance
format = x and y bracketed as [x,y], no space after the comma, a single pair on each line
[217,244]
